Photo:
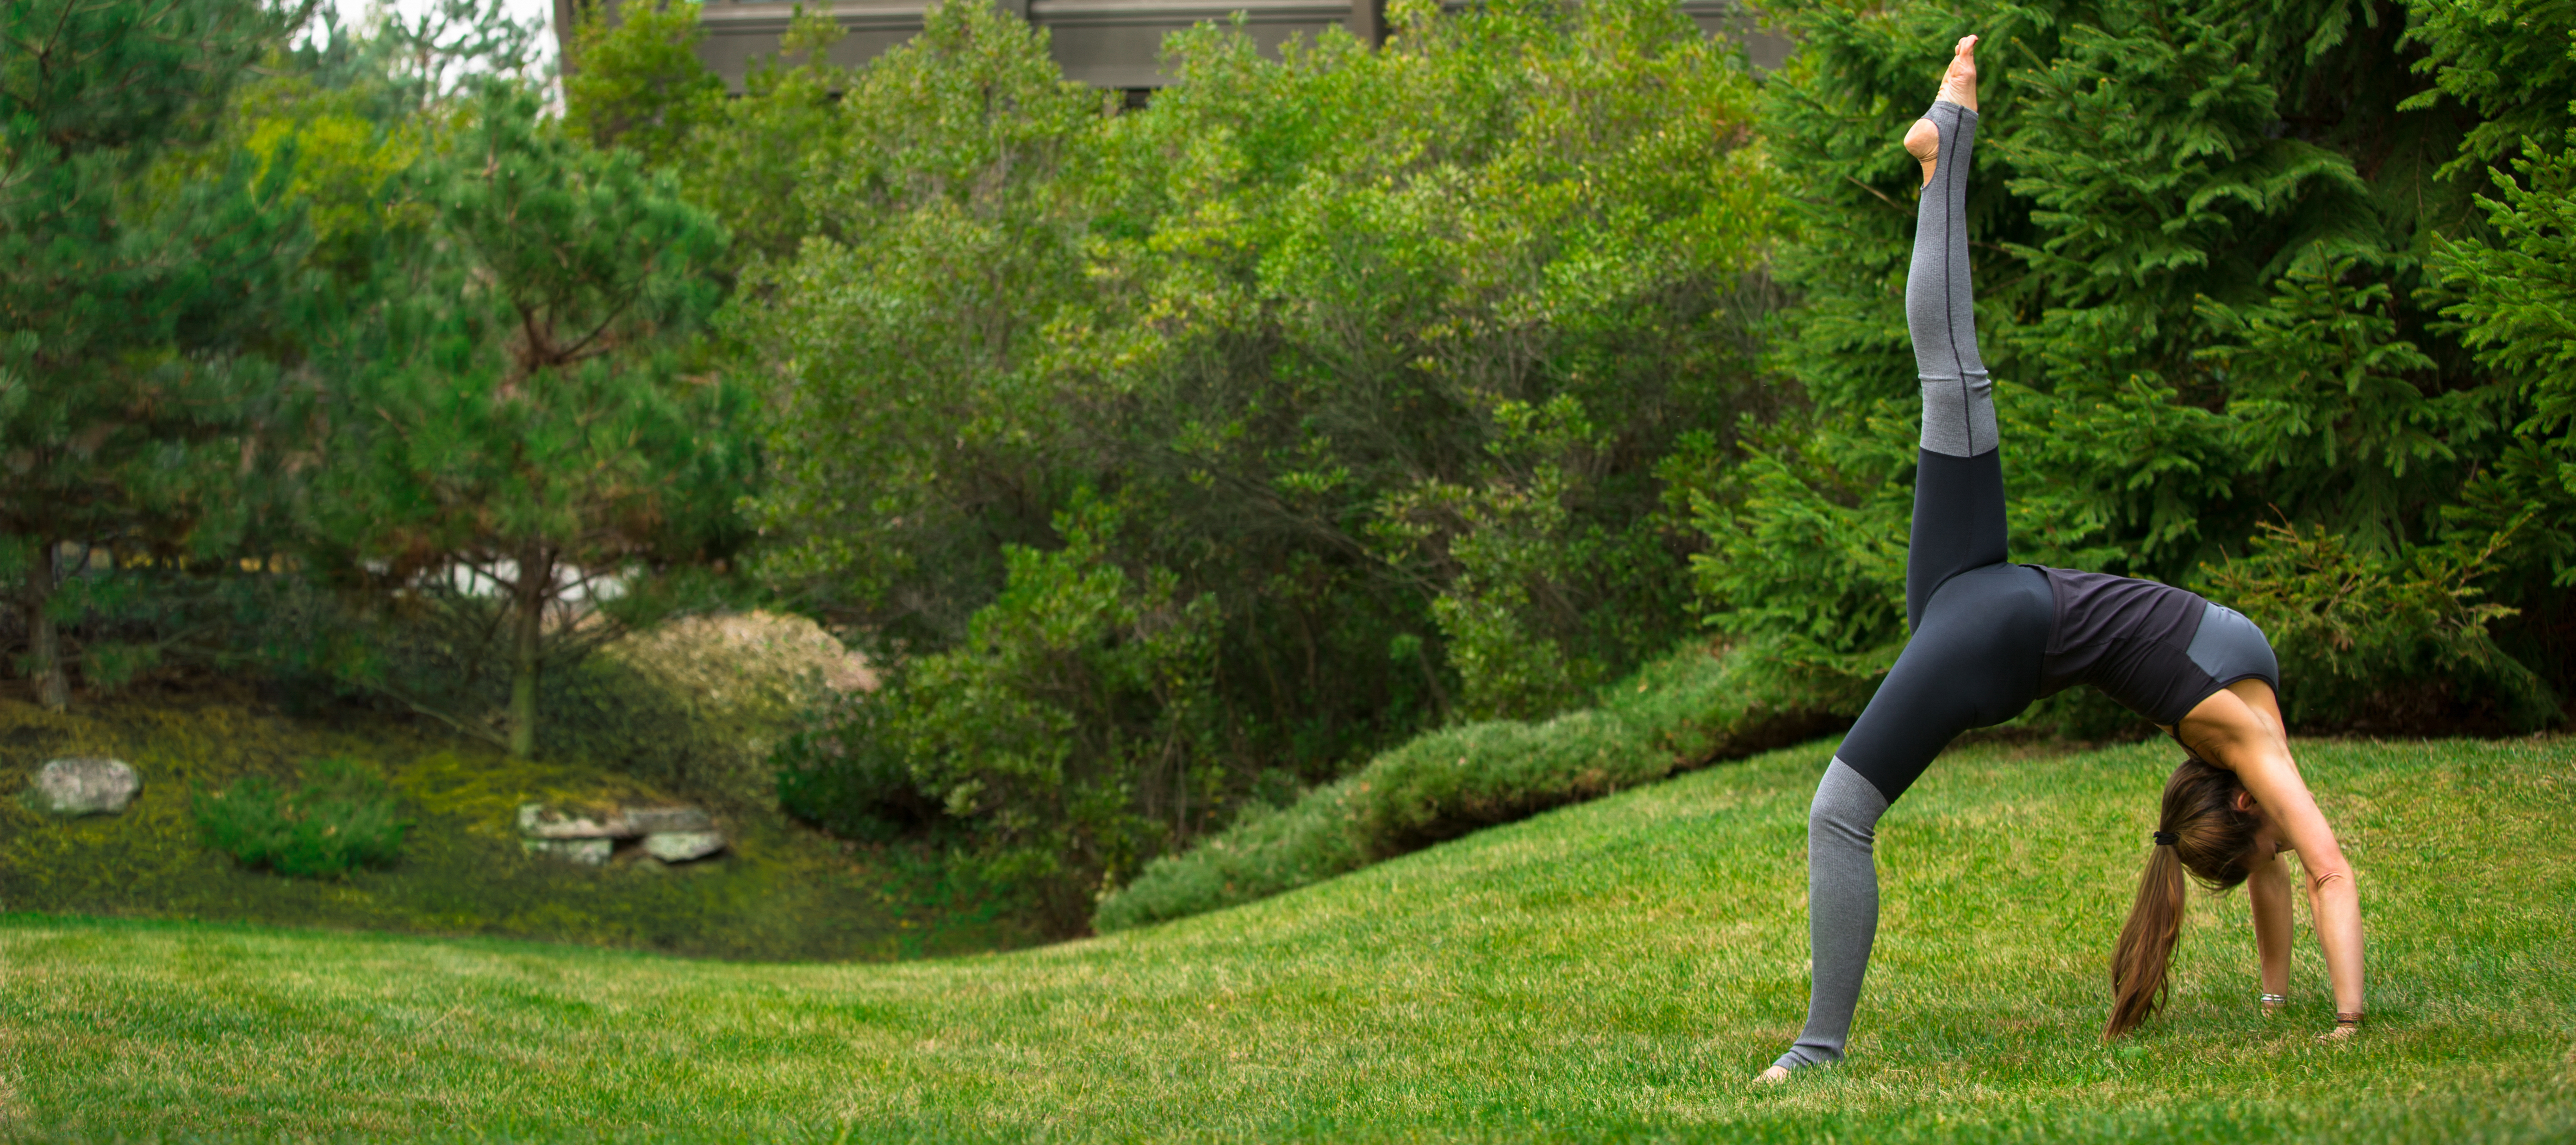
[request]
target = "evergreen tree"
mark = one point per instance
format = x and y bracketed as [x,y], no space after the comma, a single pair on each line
[2511,290]
[2201,232]
[126,301]
[513,413]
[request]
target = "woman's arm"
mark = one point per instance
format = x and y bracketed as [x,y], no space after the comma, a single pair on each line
[2268,888]
[2229,731]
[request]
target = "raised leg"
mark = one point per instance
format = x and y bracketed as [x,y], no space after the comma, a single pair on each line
[1958,491]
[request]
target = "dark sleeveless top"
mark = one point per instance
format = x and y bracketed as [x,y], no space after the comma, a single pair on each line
[2130,638]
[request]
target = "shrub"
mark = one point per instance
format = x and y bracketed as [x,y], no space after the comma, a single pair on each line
[1687,710]
[843,773]
[1064,740]
[2187,339]
[703,702]
[2376,642]
[340,819]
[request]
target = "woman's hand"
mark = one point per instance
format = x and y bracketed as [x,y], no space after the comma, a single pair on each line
[2240,729]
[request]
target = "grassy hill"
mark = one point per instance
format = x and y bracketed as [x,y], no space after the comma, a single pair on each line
[1614,970]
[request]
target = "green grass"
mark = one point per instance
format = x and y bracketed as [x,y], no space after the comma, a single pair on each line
[781,892]
[1613,970]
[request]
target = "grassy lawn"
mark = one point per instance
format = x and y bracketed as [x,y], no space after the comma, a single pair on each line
[1614,970]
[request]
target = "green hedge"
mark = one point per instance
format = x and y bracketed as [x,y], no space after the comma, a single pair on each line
[1687,710]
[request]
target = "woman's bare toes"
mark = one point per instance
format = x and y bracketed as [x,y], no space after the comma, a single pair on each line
[1923,142]
[1772,1076]
[1959,84]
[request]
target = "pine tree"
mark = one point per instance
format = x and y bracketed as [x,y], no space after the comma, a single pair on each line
[514,412]
[2200,233]
[125,299]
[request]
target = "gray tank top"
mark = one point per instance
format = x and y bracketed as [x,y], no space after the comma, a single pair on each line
[2131,638]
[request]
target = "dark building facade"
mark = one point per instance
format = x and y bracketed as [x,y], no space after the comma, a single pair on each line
[1114,43]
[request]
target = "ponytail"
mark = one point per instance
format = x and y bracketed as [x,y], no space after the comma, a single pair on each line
[2146,944]
[2199,829]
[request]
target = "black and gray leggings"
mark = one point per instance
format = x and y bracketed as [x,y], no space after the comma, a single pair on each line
[1988,636]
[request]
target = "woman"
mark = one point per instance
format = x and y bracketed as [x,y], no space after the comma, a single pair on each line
[1990,636]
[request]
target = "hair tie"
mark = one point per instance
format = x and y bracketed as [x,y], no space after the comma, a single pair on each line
[2167,838]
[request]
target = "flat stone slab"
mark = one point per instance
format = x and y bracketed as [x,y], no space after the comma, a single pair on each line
[538,821]
[86,785]
[586,852]
[682,846]
[665,820]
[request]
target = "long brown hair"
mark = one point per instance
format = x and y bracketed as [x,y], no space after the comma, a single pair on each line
[2212,839]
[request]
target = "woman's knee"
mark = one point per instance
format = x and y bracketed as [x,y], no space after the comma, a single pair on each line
[1846,809]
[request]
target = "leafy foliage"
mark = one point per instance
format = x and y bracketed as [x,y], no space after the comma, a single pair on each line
[1373,352]
[639,84]
[513,429]
[2201,233]
[340,819]
[133,308]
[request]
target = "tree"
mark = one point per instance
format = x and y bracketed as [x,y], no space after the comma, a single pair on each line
[638,83]
[129,305]
[513,413]
[2201,241]
[1377,351]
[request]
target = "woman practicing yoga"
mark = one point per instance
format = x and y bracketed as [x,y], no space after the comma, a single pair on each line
[1990,636]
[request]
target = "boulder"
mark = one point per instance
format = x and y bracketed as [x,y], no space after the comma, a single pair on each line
[538,821]
[665,820]
[87,785]
[682,846]
[587,852]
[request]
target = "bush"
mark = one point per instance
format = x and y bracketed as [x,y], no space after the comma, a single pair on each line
[2377,643]
[843,772]
[703,702]
[1687,710]
[340,819]
[1062,743]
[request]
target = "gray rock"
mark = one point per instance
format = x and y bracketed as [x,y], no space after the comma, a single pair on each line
[538,821]
[587,852]
[660,820]
[86,786]
[682,846]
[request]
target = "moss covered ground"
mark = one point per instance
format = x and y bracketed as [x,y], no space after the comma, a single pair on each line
[1608,971]
[782,892]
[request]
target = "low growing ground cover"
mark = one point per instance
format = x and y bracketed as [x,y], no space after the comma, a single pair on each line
[780,892]
[1613,970]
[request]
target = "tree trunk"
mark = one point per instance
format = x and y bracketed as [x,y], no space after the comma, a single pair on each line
[44,644]
[536,579]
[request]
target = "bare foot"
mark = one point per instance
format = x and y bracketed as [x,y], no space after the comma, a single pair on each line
[2339,1034]
[1772,1076]
[1959,86]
